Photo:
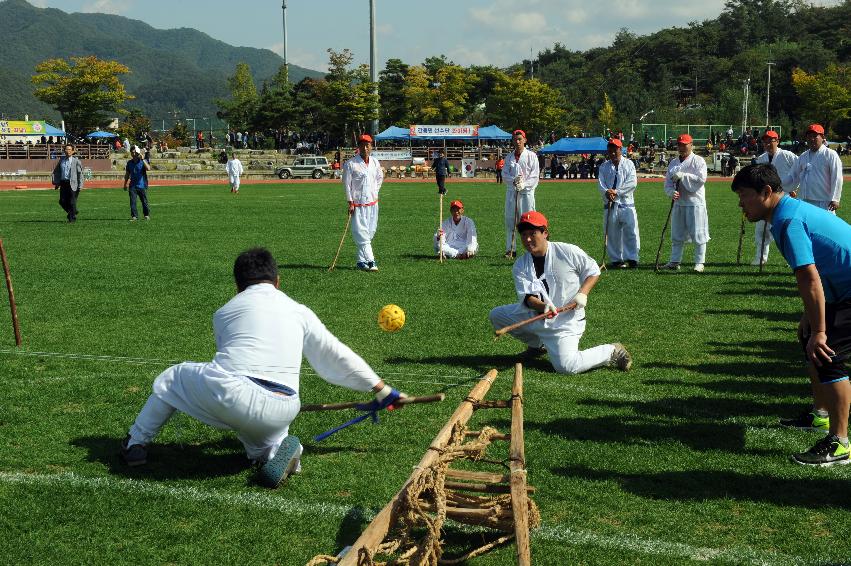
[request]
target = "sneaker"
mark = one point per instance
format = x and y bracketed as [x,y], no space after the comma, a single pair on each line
[147,217]
[621,358]
[617,265]
[362,265]
[285,463]
[826,452]
[698,267]
[672,265]
[372,266]
[136,455]
[808,421]
[133,219]
[631,264]
[510,255]
[533,352]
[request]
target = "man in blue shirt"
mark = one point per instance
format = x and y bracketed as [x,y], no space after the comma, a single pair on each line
[817,246]
[136,173]
[68,178]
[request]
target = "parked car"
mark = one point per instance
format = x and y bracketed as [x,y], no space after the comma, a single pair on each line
[311,166]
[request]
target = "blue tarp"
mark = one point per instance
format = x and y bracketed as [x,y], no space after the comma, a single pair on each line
[102,134]
[394,133]
[485,133]
[493,133]
[567,146]
[52,130]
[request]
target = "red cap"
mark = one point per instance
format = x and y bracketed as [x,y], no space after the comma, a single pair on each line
[533,219]
[365,138]
[817,128]
[770,134]
[615,141]
[455,203]
[684,138]
[521,132]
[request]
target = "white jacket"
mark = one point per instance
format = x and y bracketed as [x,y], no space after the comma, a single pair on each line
[785,162]
[693,183]
[819,175]
[526,167]
[362,181]
[626,184]
[461,235]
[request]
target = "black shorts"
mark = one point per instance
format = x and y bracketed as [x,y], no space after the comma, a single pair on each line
[837,318]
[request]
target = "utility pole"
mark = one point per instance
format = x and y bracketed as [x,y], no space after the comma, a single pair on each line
[373,58]
[284,9]
[747,90]
[768,91]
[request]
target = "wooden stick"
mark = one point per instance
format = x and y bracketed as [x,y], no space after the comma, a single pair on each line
[377,530]
[606,233]
[516,325]
[343,239]
[486,477]
[498,436]
[353,404]
[9,288]
[440,237]
[517,466]
[514,226]
[741,238]
[762,246]
[662,239]
[482,487]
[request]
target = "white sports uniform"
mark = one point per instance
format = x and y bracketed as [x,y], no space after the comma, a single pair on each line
[566,267]
[623,242]
[260,333]
[526,167]
[458,238]
[819,175]
[689,220]
[362,182]
[785,162]
[234,170]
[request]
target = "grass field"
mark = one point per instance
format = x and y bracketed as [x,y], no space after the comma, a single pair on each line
[678,462]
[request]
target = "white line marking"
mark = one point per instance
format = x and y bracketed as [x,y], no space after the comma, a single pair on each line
[269,501]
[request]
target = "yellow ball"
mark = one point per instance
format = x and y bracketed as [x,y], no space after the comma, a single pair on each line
[391,318]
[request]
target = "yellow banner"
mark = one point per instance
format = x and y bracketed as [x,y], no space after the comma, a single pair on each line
[22,128]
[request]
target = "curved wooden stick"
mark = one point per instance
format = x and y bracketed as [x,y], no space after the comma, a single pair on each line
[12,304]
[516,325]
[343,239]
[352,404]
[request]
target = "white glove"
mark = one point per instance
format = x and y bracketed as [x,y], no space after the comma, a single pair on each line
[518,182]
[581,299]
[551,310]
[677,176]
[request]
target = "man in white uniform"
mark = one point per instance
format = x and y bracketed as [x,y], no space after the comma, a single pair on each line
[550,276]
[784,162]
[617,182]
[234,170]
[457,234]
[819,172]
[252,384]
[684,184]
[520,175]
[362,178]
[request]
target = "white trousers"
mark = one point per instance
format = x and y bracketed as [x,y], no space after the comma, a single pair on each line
[623,242]
[222,400]
[760,231]
[234,183]
[364,224]
[525,201]
[689,224]
[451,251]
[562,344]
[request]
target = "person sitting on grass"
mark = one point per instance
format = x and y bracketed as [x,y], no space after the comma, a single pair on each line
[817,246]
[252,384]
[457,234]
[550,276]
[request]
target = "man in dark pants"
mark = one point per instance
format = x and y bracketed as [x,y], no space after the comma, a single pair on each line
[68,178]
[136,173]
[441,170]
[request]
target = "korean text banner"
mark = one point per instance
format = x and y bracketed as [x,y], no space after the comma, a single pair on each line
[443,131]
[21,128]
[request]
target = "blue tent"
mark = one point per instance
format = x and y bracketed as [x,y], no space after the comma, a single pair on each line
[485,133]
[102,134]
[394,133]
[493,133]
[52,130]
[567,146]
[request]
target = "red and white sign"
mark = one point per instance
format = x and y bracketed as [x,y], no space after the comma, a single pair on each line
[443,131]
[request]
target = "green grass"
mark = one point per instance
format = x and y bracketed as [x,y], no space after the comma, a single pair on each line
[678,462]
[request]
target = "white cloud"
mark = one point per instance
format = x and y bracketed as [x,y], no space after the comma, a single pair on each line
[301,57]
[39,3]
[107,6]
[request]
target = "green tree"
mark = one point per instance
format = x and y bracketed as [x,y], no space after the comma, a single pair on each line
[529,104]
[239,110]
[275,106]
[826,96]
[85,90]
[420,97]
[606,115]
[348,95]
[134,125]
[439,97]
[391,81]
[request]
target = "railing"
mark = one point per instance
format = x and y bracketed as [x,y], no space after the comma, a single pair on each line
[52,151]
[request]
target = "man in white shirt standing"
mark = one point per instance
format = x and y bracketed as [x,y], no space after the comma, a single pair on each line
[819,172]
[362,178]
[617,182]
[684,184]
[234,170]
[252,384]
[520,175]
[457,234]
[784,162]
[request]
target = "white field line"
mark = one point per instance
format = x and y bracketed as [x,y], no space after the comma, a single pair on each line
[297,508]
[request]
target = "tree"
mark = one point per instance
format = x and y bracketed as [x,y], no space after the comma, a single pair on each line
[826,96]
[240,109]
[134,126]
[391,81]
[85,90]
[348,95]
[607,113]
[529,104]
[275,106]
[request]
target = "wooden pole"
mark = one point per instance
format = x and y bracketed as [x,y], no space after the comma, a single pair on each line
[377,529]
[342,239]
[353,404]
[517,467]
[440,237]
[516,325]
[9,288]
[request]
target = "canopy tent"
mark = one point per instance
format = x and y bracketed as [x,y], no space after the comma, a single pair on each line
[52,131]
[485,133]
[101,134]
[567,146]
[493,133]
[394,133]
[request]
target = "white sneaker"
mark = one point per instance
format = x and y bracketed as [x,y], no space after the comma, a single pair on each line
[756,262]
[698,267]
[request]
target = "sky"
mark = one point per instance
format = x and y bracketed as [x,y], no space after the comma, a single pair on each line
[467,32]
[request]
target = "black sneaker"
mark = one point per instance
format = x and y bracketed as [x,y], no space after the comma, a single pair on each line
[826,452]
[533,352]
[808,421]
[631,264]
[136,455]
[617,265]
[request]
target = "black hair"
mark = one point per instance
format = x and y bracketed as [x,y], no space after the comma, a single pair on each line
[254,266]
[757,176]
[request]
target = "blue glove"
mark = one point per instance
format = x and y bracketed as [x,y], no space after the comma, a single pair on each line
[383,399]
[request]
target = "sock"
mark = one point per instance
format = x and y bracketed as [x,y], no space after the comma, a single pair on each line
[820,412]
[843,440]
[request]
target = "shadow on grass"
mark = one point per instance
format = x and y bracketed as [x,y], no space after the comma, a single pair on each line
[309,266]
[765,387]
[730,368]
[480,363]
[764,315]
[79,221]
[762,292]
[702,485]
[767,350]
[692,408]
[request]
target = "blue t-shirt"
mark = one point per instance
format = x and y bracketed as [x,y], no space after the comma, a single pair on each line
[807,234]
[138,177]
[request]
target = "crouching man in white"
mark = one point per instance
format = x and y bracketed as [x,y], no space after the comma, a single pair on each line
[552,275]
[457,234]
[252,384]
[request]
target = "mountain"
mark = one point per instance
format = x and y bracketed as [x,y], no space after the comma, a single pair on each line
[177,69]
